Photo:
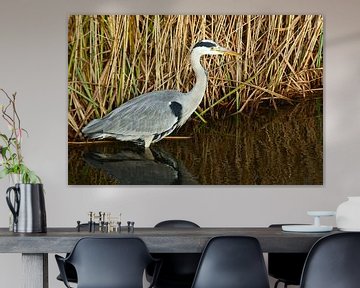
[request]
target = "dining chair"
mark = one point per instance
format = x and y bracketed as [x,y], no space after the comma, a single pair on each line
[177,269]
[285,267]
[231,262]
[333,262]
[108,263]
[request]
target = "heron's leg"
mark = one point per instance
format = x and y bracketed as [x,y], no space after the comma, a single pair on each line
[148,140]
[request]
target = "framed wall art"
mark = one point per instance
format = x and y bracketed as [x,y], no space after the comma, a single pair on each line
[195,100]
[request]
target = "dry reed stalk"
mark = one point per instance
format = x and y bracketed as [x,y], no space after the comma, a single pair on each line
[114,58]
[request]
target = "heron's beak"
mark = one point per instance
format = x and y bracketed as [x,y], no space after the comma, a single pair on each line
[232,53]
[225,51]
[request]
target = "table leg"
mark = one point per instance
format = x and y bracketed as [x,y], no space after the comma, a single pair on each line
[35,270]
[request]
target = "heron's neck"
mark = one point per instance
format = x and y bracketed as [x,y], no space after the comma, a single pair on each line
[198,91]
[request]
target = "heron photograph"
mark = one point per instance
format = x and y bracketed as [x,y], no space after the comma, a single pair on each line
[195,100]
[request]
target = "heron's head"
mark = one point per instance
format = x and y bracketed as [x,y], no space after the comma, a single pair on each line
[209,47]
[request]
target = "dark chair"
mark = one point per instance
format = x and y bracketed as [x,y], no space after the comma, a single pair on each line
[178,269]
[108,262]
[232,262]
[176,224]
[286,267]
[333,262]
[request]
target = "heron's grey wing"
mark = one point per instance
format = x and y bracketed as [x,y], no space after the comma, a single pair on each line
[149,114]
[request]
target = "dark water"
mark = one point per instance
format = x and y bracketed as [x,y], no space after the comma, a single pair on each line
[269,148]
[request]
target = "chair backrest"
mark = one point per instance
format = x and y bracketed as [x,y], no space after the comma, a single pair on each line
[178,269]
[232,262]
[176,224]
[333,262]
[110,262]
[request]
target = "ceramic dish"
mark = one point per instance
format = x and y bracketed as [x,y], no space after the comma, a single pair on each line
[306,228]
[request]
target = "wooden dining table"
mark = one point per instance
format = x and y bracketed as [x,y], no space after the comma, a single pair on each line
[35,247]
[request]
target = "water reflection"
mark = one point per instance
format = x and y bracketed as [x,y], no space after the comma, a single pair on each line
[284,147]
[132,165]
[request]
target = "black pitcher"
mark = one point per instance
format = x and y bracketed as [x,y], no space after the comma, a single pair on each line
[28,207]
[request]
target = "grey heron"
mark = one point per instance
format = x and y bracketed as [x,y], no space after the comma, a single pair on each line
[151,116]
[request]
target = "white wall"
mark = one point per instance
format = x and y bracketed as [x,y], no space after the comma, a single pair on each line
[33,62]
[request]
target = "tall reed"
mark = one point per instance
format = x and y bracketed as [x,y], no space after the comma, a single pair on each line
[112,58]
